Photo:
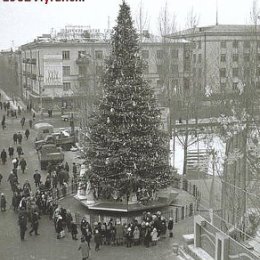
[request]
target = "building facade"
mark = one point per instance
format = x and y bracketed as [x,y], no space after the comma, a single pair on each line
[223,56]
[60,74]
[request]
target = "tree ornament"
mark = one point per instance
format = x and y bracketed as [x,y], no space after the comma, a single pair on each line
[108,119]
[112,110]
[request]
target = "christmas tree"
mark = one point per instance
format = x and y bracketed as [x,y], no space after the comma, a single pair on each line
[126,149]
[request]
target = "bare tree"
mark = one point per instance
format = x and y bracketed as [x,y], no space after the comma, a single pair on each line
[141,20]
[192,19]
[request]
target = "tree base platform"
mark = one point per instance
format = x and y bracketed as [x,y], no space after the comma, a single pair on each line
[114,206]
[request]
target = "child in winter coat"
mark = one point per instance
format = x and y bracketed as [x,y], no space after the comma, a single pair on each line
[154,236]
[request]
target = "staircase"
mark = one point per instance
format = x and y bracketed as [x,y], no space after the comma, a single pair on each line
[197,163]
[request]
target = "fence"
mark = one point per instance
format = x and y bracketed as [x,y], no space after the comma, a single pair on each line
[177,213]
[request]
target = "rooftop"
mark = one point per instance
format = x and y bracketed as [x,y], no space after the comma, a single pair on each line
[221,29]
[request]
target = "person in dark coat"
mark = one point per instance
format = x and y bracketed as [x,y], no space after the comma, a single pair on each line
[22,121]
[129,237]
[170,227]
[1,177]
[74,230]
[37,178]
[27,133]
[97,239]
[30,123]
[19,150]
[3,202]
[3,156]
[35,222]
[11,151]
[59,226]
[23,164]
[15,137]
[15,162]
[22,222]
[19,138]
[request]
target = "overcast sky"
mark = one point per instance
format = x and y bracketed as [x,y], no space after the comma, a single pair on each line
[21,22]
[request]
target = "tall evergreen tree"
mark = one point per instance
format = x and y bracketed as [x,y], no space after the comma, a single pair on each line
[126,148]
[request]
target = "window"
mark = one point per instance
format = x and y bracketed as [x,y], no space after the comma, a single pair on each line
[159,83]
[66,70]
[246,72]
[145,54]
[235,57]
[234,85]
[99,55]
[246,44]
[235,72]
[223,44]
[235,44]
[159,68]
[65,55]
[222,85]
[175,69]
[186,84]
[258,72]
[199,44]
[258,85]
[194,72]
[66,86]
[81,54]
[194,58]
[99,70]
[199,58]
[223,58]
[200,73]
[246,57]
[222,73]
[159,54]
[175,54]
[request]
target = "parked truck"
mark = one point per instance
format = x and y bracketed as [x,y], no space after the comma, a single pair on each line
[50,154]
[61,139]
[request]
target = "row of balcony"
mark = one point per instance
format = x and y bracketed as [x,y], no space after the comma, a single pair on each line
[29,61]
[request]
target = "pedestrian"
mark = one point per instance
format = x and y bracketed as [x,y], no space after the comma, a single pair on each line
[97,239]
[170,227]
[66,167]
[22,121]
[3,122]
[19,150]
[15,137]
[19,138]
[27,133]
[3,202]
[74,230]
[154,237]
[136,236]
[23,164]
[74,171]
[22,222]
[35,223]
[30,123]
[129,237]
[84,248]
[3,156]
[37,178]
[15,162]
[34,116]
[1,177]
[59,227]
[11,151]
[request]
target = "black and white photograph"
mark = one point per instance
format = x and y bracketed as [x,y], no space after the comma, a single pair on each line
[130,129]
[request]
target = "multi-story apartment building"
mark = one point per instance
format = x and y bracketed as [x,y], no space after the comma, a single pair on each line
[64,73]
[223,56]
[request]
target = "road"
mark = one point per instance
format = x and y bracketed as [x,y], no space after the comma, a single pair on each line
[46,246]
